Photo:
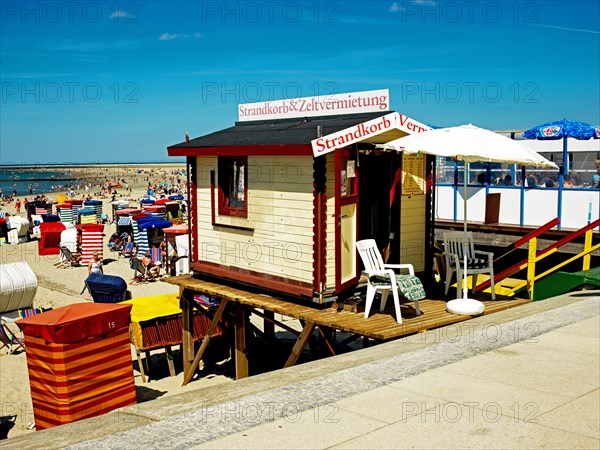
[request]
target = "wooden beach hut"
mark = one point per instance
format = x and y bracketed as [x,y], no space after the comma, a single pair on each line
[279,204]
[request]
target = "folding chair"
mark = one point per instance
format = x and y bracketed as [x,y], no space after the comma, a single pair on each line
[156,255]
[10,340]
[129,250]
[139,271]
[68,259]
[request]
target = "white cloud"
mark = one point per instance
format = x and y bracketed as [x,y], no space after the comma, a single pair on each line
[118,13]
[168,36]
[172,36]
[401,7]
[395,7]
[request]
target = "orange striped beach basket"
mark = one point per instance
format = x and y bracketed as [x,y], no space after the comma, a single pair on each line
[79,362]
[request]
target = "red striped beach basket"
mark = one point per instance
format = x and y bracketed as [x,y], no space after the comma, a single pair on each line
[91,241]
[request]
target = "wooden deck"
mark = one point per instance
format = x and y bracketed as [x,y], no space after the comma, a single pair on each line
[378,326]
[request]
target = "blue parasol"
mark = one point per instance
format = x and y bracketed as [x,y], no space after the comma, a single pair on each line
[562,129]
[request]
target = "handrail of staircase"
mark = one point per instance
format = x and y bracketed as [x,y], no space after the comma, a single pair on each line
[535,233]
[529,236]
[518,266]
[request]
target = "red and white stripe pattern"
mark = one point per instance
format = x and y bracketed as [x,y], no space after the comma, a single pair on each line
[39,211]
[91,241]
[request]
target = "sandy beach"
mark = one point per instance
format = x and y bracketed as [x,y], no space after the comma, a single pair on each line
[60,287]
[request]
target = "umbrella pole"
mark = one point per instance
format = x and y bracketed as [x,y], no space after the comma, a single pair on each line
[464,273]
[465,305]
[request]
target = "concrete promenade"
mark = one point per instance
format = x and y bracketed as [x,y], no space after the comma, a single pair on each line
[526,377]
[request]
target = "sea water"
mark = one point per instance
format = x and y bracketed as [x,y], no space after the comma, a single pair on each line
[29,182]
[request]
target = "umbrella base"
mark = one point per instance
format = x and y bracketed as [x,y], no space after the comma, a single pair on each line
[465,307]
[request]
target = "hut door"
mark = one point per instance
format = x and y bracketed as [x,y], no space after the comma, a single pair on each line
[346,205]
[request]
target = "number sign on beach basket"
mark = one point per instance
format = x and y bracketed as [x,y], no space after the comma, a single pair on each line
[79,362]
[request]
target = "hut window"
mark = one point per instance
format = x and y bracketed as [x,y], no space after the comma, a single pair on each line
[233,186]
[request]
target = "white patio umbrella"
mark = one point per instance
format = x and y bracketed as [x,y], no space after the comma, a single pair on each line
[470,144]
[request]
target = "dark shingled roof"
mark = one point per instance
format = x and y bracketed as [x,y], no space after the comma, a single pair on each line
[278,132]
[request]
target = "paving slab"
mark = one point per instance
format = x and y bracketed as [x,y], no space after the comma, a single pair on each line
[314,428]
[452,426]
[581,416]
[537,367]
[476,390]
[388,404]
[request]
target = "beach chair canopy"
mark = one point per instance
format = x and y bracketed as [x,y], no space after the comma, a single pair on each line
[76,323]
[50,238]
[153,223]
[18,286]
[106,288]
[50,218]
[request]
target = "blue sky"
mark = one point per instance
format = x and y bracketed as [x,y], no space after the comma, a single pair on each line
[120,81]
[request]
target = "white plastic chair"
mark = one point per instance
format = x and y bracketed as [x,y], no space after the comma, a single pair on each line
[453,252]
[371,258]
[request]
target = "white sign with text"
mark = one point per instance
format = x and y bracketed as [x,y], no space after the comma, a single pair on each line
[324,105]
[365,131]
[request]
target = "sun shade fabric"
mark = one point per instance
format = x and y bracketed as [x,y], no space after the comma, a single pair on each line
[76,323]
[471,144]
[85,368]
[410,286]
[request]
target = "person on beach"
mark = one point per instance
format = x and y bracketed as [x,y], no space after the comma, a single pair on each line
[151,268]
[18,206]
[95,265]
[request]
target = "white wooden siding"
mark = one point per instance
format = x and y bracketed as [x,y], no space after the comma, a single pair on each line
[280,210]
[412,230]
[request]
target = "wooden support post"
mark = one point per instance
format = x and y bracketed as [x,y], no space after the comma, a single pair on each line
[169,356]
[300,343]
[275,322]
[189,373]
[187,333]
[586,246]
[327,337]
[268,325]
[148,363]
[531,260]
[138,353]
[241,355]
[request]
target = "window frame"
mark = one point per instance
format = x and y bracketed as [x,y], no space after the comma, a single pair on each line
[224,181]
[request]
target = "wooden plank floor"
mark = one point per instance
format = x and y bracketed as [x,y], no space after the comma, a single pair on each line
[377,326]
